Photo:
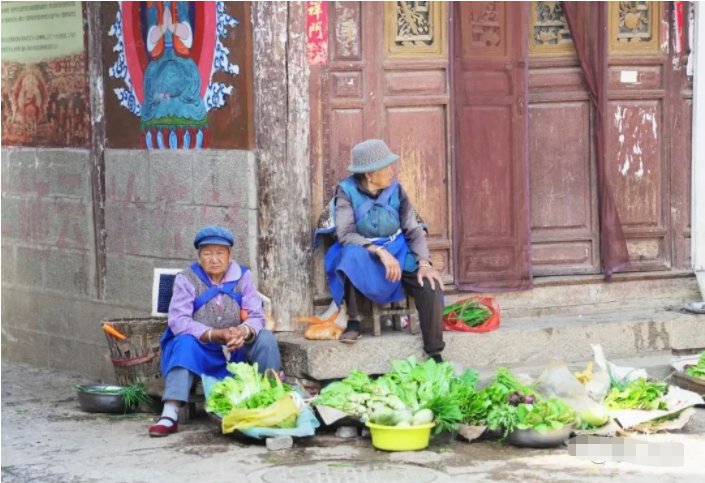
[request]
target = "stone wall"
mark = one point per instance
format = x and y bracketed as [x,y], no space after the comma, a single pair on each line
[154,203]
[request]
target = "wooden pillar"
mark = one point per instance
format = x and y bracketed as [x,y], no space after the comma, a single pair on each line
[282,143]
[97,150]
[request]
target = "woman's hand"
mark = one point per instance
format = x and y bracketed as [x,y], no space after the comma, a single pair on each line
[236,337]
[391,265]
[426,271]
[233,337]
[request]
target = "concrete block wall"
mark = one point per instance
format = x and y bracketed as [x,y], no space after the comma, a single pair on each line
[154,203]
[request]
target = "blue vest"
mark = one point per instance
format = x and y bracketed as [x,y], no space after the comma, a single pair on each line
[374,217]
[229,288]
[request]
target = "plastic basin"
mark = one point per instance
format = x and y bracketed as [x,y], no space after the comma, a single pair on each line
[392,438]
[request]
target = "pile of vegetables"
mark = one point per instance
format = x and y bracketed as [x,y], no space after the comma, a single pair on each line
[408,388]
[469,312]
[506,405]
[413,392]
[636,394]
[247,389]
[698,370]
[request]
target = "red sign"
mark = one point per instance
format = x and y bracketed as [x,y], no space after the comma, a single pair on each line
[317,32]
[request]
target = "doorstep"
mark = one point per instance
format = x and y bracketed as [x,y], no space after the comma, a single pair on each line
[526,341]
[630,318]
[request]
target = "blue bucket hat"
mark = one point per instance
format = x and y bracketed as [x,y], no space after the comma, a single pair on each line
[213,235]
[371,155]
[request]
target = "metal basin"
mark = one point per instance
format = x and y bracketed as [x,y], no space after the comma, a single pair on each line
[99,398]
[531,438]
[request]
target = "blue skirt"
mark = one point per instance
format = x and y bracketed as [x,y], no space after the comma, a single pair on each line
[187,352]
[365,271]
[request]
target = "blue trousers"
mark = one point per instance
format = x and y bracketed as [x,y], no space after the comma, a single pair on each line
[264,351]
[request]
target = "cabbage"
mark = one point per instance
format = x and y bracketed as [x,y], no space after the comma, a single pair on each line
[595,416]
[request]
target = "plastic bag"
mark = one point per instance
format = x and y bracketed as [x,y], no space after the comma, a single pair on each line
[272,416]
[324,327]
[492,323]
[557,381]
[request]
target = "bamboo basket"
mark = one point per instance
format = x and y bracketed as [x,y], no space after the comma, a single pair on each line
[137,359]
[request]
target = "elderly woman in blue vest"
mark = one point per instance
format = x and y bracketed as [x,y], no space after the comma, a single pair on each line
[206,327]
[381,249]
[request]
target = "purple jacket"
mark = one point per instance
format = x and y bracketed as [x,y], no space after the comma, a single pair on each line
[181,307]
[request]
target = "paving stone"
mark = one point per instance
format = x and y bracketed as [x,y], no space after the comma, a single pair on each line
[346,432]
[279,443]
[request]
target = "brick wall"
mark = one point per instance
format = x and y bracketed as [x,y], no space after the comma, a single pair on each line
[154,203]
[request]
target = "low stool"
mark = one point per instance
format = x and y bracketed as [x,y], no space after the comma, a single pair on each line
[188,409]
[376,313]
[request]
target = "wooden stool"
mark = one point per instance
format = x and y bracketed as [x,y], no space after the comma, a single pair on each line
[377,313]
[188,409]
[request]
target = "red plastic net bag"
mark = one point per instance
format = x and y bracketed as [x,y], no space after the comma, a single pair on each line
[475,314]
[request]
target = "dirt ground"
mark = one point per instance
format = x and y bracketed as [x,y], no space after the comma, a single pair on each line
[47,438]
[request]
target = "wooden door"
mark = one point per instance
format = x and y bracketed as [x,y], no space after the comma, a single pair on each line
[564,217]
[681,97]
[639,130]
[491,188]
[387,78]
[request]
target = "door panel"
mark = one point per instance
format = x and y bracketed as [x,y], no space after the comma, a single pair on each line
[491,189]
[560,181]
[564,217]
[638,134]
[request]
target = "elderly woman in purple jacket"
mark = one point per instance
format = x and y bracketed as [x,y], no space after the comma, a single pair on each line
[215,317]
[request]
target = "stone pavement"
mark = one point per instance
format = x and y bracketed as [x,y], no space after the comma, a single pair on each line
[47,438]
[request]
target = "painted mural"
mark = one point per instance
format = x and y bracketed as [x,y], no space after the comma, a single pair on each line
[44,87]
[177,77]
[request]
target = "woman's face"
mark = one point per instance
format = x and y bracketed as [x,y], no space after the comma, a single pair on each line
[215,260]
[381,178]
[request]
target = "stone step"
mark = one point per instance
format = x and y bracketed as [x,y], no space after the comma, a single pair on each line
[590,294]
[525,341]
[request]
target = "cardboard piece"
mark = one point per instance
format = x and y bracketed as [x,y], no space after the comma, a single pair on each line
[331,415]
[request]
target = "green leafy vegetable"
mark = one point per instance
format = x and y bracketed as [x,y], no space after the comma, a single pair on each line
[134,395]
[637,394]
[698,370]
[247,388]
[409,386]
[477,406]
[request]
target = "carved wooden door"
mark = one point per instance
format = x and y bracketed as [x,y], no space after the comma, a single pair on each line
[387,78]
[491,188]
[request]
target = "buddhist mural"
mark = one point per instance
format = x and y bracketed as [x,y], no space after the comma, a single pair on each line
[180,75]
[44,87]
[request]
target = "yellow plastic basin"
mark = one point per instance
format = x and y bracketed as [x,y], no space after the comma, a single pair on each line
[392,438]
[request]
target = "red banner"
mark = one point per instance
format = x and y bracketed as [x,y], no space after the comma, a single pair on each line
[317,32]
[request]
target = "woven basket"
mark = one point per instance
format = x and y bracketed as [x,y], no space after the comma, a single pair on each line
[137,359]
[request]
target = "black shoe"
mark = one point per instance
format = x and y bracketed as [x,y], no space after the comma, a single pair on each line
[436,357]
